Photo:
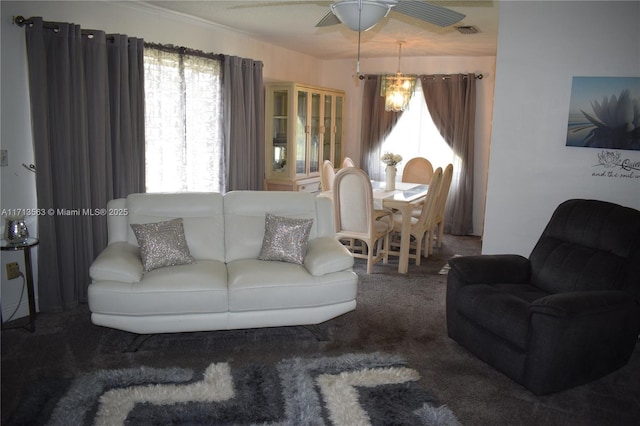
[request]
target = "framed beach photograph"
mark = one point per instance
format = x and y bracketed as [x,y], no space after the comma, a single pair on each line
[604,112]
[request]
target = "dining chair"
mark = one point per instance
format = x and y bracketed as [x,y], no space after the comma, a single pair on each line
[421,227]
[441,204]
[327,175]
[418,170]
[347,162]
[357,220]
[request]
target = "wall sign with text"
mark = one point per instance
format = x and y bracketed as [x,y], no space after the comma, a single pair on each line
[611,164]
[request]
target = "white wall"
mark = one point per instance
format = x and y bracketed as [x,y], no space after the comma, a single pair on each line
[18,184]
[541,46]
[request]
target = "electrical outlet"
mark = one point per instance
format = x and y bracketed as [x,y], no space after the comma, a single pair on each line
[13,270]
[4,158]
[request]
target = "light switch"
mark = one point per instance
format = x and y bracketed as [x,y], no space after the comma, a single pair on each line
[4,158]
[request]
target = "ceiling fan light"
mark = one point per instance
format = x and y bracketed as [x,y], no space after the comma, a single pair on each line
[348,12]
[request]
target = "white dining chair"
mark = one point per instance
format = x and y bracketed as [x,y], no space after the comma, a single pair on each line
[418,170]
[357,220]
[347,162]
[327,175]
[441,204]
[421,227]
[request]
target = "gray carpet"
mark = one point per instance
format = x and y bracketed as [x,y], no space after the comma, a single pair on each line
[396,314]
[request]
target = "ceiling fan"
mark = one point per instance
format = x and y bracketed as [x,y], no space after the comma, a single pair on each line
[362,15]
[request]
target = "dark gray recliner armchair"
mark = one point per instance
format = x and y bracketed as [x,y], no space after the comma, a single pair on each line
[568,314]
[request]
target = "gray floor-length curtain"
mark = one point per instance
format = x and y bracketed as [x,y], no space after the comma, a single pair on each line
[243,88]
[126,99]
[85,122]
[451,100]
[376,126]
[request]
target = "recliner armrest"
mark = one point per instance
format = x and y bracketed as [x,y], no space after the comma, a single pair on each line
[326,255]
[119,261]
[581,303]
[579,336]
[488,269]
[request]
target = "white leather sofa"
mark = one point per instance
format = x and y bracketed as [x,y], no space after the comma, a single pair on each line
[227,287]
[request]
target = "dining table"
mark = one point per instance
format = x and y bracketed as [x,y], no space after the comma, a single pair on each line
[404,198]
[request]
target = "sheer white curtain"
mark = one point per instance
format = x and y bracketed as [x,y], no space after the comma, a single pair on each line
[415,135]
[184,133]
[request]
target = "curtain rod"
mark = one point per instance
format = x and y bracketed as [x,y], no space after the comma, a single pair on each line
[21,21]
[448,76]
[444,77]
[170,48]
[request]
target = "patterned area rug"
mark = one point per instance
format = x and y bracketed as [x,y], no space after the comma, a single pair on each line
[353,389]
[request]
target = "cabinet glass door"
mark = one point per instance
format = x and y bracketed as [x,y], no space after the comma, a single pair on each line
[302,129]
[328,128]
[280,118]
[338,131]
[314,142]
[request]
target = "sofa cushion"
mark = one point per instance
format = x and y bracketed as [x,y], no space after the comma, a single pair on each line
[185,289]
[502,309]
[201,213]
[256,285]
[244,213]
[162,244]
[285,239]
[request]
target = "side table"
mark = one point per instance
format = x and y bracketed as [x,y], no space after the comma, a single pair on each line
[25,246]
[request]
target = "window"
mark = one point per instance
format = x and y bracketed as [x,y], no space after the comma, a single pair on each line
[183,119]
[415,135]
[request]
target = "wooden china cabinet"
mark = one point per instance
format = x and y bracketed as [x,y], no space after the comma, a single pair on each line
[304,127]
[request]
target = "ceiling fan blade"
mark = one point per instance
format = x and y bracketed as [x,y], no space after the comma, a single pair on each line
[427,12]
[328,20]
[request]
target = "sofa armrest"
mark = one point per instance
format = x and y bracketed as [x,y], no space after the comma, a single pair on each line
[326,255]
[119,261]
[117,220]
[488,269]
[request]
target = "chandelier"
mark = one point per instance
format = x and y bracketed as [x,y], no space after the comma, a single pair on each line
[397,88]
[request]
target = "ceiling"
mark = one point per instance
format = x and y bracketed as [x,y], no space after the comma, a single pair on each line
[291,24]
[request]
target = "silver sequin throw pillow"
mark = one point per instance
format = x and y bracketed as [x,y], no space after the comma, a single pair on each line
[285,239]
[162,244]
